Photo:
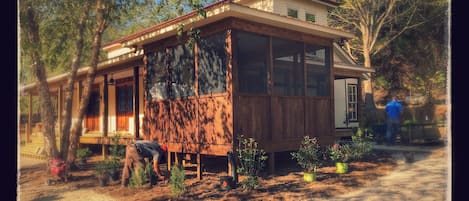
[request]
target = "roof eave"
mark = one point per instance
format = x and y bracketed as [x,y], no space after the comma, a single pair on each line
[235,10]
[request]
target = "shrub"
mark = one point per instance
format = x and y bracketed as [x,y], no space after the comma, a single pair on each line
[361,144]
[138,178]
[102,168]
[176,181]
[83,153]
[340,152]
[117,150]
[251,161]
[309,155]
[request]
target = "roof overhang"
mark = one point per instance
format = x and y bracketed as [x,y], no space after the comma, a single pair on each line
[224,10]
[357,68]
[102,66]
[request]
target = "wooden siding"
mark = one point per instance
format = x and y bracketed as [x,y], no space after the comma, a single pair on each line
[279,123]
[195,125]
[253,116]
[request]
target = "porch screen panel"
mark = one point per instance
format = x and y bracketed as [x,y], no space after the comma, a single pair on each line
[253,58]
[157,76]
[288,67]
[318,66]
[181,71]
[212,64]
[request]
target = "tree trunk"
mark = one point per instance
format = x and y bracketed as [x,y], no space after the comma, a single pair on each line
[77,127]
[67,114]
[47,114]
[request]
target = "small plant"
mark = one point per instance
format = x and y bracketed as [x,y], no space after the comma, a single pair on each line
[83,154]
[361,144]
[138,178]
[251,161]
[340,152]
[102,172]
[117,152]
[309,155]
[176,181]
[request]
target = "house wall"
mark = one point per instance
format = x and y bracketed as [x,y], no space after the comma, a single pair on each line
[281,7]
[265,5]
[303,6]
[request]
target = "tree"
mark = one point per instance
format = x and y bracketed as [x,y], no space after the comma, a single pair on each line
[55,38]
[35,18]
[376,24]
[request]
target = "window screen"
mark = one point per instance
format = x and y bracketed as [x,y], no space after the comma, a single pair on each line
[252,51]
[288,67]
[212,64]
[157,76]
[181,71]
[317,70]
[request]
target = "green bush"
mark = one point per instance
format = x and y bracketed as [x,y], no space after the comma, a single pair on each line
[102,168]
[340,152]
[309,155]
[361,144]
[117,150]
[176,180]
[83,153]
[138,178]
[251,161]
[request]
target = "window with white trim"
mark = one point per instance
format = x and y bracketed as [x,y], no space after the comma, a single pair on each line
[352,102]
[310,17]
[292,12]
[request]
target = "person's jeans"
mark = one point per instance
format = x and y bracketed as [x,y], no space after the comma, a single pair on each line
[391,130]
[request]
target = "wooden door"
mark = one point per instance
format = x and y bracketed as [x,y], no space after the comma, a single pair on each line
[92,113]
[124,103]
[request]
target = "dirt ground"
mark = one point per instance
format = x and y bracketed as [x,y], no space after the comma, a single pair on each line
[286,184]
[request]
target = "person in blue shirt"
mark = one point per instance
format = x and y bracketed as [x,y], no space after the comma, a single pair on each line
[393,112]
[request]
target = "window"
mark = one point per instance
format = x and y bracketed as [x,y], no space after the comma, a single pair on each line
[292,12]
[212,64]
[252,51]
[352,102]
[181,71]
[157,76]
[288,72]
[317,60]
[310,17]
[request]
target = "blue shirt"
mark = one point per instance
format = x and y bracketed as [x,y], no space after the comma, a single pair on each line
[393,109]
[149,149]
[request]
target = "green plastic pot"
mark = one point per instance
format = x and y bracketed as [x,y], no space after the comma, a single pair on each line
[341,168]
[309,177]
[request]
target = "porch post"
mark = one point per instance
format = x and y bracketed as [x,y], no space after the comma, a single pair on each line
[105,115]
[59,112]
[136,103]
[30,118]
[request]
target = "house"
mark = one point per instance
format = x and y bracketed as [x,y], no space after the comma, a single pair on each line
[266,69]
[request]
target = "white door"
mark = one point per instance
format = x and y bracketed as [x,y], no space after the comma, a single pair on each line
[346,102]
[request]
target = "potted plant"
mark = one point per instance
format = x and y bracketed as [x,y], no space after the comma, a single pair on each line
[341,155]
[309,157]
[82,155]
[102,172]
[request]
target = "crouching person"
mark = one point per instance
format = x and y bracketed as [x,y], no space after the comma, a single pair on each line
[135,155]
